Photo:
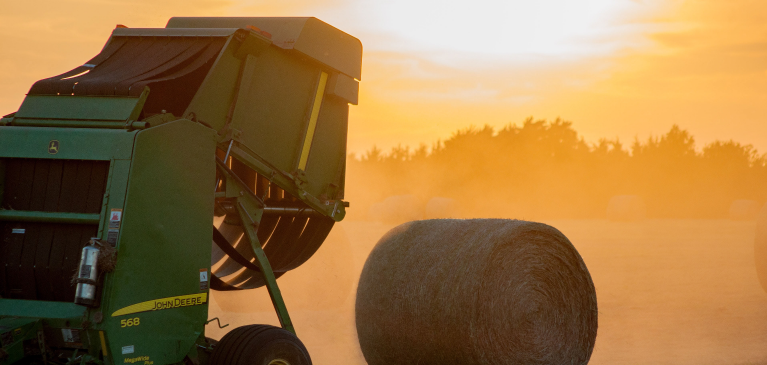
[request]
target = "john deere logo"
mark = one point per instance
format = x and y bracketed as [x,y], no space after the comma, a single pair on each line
[53,147]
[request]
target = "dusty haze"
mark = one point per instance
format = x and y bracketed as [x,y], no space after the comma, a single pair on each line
[669,292]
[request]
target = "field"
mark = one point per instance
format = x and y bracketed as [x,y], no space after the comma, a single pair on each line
[669,292]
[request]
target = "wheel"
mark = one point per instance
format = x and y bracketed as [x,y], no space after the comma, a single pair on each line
[260,345]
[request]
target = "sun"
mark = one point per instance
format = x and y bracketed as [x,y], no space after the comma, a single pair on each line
[541,27]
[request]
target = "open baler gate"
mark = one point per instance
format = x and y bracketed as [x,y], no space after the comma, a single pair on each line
[272,107]
[241,121]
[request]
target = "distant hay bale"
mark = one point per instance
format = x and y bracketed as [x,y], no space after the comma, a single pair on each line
[441,208]
[397,209]
[760,247]
[626,208]
[744,210]
[323,282]
[480,291]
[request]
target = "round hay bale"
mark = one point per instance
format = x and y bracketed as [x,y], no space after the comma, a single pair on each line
[744,210]
[626,208]
[760,247]
[397,209]
[323,282]
[441,208]
[480,291]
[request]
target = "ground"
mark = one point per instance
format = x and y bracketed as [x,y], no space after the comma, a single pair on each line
[669,292]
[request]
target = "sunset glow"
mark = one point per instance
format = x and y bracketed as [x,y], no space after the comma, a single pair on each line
[616,68]
[517,182]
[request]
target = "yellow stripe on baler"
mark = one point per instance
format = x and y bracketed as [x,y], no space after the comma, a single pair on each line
[103,344]
[313,121]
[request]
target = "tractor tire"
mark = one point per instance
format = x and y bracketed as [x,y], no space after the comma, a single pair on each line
[260,345]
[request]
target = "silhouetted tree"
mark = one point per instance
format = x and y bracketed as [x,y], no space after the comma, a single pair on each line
[545,169]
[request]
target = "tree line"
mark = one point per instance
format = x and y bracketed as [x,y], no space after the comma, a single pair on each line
[545,169]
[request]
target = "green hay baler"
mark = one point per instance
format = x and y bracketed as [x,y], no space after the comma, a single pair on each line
[207,155]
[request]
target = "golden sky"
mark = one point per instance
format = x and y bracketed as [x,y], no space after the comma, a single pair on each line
[616,68]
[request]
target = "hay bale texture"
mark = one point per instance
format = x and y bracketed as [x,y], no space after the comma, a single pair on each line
[397,209]
[441,208]
[744,210]
[626,208]
[483,291]
[760,247]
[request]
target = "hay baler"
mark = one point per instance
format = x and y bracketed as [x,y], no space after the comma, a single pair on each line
[206,155]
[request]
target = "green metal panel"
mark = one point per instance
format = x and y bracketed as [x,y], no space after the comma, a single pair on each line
[213,99]
[73,143]
[16,331]
[309,36]
[327,159]
[276,117]
[67,123]
[345,88]
[164,242]
[80,107]
[331,46]
[26,216]
[34,308]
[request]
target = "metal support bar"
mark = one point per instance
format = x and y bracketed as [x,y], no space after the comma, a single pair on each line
[285,181]
[77,124]
[292,211]
[230,175]
[52,217]
[219,322]
[249,226]
[226,157]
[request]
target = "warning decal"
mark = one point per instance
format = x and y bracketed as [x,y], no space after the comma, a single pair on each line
[115,216]
[112,236]
[203,279]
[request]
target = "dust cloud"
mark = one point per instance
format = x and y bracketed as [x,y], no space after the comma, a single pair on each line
[670,291]
[675,285]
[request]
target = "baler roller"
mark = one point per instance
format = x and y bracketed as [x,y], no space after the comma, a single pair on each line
[288,243]
[289,232]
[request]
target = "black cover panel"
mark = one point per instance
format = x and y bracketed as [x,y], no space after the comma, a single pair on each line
[37,260]
[172,67]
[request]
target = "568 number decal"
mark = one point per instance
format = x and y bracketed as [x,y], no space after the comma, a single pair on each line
[130,322]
